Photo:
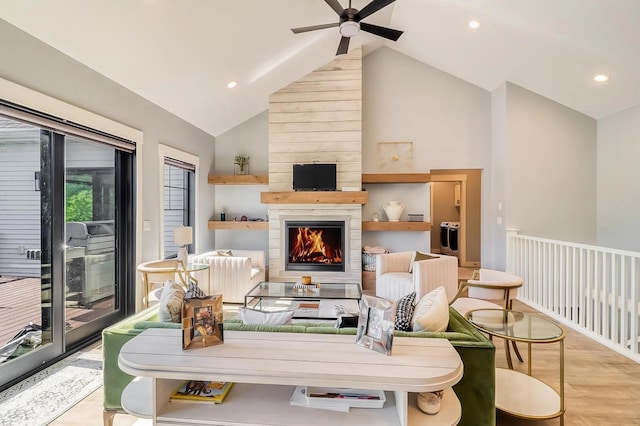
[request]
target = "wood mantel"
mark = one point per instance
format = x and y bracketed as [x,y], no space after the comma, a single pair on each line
[312,197]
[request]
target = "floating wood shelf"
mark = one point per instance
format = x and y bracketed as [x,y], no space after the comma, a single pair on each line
[238,179]
[328,197]
[240,225]
[396,178]
[396,226]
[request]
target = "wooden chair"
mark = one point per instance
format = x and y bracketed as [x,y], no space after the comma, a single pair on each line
[156,272]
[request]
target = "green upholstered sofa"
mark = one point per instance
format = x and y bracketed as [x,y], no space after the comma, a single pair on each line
[476,389]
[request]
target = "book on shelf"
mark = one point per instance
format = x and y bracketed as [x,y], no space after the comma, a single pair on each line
[201,391]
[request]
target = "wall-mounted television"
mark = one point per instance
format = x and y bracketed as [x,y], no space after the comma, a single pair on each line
[314,177]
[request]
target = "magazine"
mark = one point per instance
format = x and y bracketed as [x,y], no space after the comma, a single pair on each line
[197,390]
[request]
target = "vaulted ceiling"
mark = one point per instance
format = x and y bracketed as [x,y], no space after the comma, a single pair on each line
[181,54]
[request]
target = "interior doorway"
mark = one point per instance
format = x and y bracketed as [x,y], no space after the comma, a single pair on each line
[456,197]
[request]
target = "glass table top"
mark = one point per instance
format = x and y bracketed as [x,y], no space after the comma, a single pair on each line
[192,267]
[515,325]
[268,289]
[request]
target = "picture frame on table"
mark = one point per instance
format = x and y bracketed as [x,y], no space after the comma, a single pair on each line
[202,322]
[376,324]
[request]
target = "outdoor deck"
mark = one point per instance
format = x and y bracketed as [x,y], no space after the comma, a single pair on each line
[20,304]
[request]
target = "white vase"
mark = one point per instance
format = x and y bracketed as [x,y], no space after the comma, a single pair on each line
[393,211]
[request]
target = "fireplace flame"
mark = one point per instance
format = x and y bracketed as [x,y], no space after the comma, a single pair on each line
[309,247]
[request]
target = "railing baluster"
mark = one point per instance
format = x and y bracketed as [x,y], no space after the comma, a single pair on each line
[594,288]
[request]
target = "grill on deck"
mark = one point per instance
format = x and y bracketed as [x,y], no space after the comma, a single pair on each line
[90,261]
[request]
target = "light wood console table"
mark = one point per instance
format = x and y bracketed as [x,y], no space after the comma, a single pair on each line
[266,367]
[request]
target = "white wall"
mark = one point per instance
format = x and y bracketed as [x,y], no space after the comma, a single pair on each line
[447,119]
[35,65]
[549,168]
[250,137]
[494,247]
[618,173]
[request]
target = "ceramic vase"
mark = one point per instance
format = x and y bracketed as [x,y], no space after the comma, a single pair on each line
[429,402]
[393,211]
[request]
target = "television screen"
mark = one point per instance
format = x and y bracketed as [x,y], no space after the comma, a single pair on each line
[314,177]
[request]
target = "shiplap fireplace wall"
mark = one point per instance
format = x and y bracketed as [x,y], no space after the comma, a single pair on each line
[318,119]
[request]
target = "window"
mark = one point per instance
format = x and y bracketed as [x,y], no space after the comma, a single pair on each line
[179,189]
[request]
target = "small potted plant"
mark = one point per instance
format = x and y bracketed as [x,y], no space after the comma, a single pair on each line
[241,162]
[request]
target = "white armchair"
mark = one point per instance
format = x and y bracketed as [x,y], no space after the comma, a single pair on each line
[233,276]
[394,279]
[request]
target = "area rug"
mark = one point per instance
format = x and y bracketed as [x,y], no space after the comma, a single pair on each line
[46,395]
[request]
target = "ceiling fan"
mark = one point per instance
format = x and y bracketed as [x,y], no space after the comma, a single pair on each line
[350,23]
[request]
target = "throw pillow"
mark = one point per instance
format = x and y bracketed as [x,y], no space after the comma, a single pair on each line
[432,311]
[420,256]
[170,309]
[253,316]
[225,253]
[404,312]
[193,291]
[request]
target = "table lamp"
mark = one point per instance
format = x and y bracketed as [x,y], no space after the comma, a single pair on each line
[182,237]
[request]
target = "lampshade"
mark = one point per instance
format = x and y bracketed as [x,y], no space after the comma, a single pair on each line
[183,236]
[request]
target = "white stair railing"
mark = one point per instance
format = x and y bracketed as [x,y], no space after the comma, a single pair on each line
[594,290]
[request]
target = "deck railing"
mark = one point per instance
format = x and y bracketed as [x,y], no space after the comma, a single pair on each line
[592,289]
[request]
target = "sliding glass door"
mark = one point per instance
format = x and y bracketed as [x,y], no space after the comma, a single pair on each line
[66,243]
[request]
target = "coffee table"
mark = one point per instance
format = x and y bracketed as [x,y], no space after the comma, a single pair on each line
[519,394]
[315,303]
[267,367]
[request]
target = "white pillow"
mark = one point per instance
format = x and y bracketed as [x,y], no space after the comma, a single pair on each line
[253,316]
[170,309]
[432,311]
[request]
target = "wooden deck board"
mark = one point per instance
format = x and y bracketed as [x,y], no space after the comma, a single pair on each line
[20,304]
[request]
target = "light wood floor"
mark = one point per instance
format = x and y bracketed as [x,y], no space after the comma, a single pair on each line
[601,386]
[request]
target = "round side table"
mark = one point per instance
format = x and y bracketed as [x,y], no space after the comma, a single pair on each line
[519,394]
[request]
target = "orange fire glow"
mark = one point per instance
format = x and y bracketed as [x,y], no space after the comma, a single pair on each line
[310,247]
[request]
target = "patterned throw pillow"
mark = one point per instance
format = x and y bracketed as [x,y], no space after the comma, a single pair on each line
[404,312]
[225,253]
[193,291]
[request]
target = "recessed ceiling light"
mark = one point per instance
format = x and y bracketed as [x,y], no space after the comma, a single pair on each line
[232,84]
[474,25]
[601,78]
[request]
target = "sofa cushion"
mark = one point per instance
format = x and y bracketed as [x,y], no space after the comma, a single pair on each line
[404,312]
[254,316]
[171,302]
[432,311]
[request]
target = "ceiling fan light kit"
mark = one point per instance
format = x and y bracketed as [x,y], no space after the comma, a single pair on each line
[349,28]
[349,23]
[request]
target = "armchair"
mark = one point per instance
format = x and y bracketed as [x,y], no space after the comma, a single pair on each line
[233,276]
[396,278]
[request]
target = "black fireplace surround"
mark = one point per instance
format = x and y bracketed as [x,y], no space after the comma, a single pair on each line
[315,245]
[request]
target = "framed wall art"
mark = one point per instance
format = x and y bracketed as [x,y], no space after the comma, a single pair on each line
[395,157]
[376,324]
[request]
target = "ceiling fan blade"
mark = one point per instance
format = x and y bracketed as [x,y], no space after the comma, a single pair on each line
[344,46]
[372,7]
[335,6]
[385,32]
[313,28]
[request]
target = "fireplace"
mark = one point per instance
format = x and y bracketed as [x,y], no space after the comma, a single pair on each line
[317,245]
